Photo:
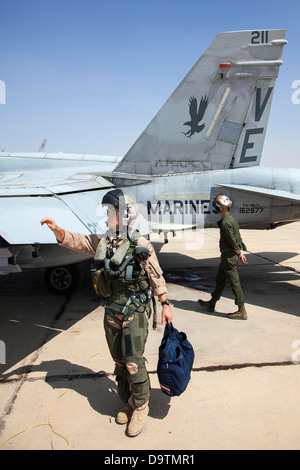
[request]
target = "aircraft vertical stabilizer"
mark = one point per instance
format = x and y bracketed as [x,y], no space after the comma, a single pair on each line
[217,117]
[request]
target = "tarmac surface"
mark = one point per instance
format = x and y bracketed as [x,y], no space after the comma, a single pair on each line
[57,388]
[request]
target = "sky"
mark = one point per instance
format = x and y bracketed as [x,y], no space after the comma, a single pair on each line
[89,75]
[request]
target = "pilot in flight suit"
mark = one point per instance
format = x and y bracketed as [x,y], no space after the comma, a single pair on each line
[126,299]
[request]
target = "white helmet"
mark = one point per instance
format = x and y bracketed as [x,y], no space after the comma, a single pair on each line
[221,201]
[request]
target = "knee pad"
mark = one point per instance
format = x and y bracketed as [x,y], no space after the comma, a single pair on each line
[137,371]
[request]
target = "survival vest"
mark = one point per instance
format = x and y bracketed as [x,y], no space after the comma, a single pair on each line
[120,279]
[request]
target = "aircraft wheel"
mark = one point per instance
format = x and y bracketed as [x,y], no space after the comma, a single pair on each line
[63,279]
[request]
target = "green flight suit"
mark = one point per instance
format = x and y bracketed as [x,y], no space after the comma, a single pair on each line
[230,240]
[126,333]
[127,346]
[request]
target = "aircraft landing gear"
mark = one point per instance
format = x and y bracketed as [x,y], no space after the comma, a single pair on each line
[63,280]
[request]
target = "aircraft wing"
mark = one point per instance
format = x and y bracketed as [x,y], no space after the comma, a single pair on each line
[37,184]
[72,199]
[274,193]
[79,212]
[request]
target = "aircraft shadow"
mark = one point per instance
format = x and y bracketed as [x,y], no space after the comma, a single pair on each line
[266,283]
[29,312]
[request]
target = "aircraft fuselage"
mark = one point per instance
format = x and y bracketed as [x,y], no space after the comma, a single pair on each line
[186,199]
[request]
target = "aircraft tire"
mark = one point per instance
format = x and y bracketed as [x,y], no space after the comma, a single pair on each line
[62,280]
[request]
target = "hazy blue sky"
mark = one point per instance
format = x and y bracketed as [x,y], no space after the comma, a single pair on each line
[89,75]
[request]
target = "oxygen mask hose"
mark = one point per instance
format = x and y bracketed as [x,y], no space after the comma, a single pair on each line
[139,251]
[111,272]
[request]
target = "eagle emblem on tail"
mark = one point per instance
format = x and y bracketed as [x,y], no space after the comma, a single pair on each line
[196,115]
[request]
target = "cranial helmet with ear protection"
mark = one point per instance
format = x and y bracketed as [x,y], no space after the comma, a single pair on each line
[221,201]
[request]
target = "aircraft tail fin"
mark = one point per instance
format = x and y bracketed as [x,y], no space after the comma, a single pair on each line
[218,115]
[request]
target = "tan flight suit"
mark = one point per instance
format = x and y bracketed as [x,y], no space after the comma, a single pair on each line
[126,342]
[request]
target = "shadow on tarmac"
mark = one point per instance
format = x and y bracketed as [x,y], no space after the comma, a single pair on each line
[265,282]
[98,388]
[29,312]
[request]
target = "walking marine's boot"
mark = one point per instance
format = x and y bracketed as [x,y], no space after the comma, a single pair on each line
[125,413]
[208,305]
[137,420]
[241,314]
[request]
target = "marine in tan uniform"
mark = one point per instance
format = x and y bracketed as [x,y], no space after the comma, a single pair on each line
[126,299]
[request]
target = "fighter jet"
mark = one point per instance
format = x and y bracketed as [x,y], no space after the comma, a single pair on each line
[172,172]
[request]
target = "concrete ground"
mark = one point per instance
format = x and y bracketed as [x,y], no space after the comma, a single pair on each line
[57,387]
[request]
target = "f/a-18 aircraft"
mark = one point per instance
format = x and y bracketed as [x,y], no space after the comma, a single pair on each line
[206,139]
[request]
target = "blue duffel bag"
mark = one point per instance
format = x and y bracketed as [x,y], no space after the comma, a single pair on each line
[175,361]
